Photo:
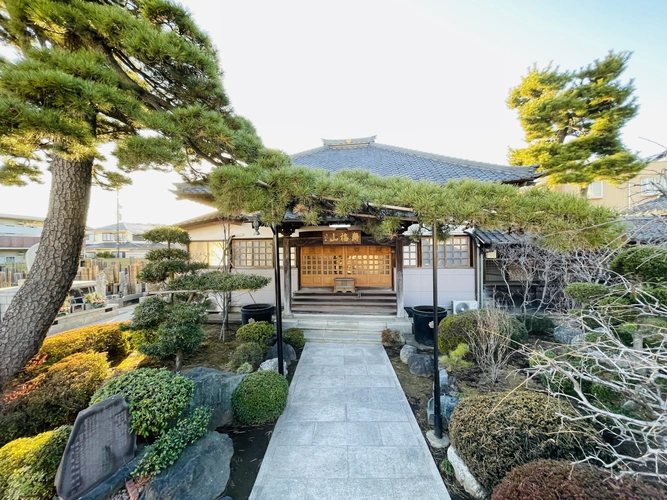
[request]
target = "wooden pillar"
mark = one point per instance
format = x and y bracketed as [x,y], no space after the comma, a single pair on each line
[400,312]
[287,275]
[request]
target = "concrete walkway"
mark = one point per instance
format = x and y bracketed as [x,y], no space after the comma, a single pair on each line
[347,432]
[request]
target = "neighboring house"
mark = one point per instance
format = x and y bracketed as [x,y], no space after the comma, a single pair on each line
[388,275]
[647,185]
[17,234]
[125,237]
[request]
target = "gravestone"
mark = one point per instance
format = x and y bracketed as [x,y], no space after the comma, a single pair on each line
[101,285]
[99,445]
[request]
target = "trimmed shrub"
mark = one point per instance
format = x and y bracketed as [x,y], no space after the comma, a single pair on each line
[149,314]
[260,397]
[155,396]
[28,465]
[169,446]
[496,432]
[585,293]
[455,359]
[53,398]
[106,338]
[247,353]
[259,332]
[644,263]
[245,368]
[556,480]
[537,324]
[294,337]
[458,328]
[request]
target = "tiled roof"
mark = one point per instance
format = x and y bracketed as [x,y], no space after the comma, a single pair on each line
[655,206]
[647,229]
[388,161]
[495,237]
[132,227]
[144,245]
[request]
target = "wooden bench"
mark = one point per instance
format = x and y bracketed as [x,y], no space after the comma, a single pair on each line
[344,285]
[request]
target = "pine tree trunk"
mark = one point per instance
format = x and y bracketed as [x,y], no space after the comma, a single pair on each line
[37,302]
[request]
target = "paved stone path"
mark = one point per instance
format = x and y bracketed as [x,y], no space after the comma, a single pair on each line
[347,432]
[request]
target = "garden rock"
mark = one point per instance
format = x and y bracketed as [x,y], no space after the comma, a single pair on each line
[420,365]
[214,388]
[406,352]
[464,476]
[272,364]
[201,473]
[568,334]
[447,405]
[289,354]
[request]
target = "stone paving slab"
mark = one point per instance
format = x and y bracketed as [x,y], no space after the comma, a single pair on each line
[347,432]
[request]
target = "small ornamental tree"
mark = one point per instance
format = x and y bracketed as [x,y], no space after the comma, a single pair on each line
[573,122]
[139,74]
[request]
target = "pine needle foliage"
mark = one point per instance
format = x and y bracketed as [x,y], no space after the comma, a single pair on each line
[573,119]
[561,221]
[138,73]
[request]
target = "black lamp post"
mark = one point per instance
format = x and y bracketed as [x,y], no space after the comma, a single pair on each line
[279,317]
[437,416]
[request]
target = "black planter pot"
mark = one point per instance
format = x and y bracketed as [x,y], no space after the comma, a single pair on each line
[258,312]
[422,316]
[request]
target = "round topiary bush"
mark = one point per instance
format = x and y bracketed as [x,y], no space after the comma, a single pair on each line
[247,353]
[461,329]
[294,337]
[259,332]
[155,396]
[260,397]
[558,480]
[496,432]
[28,465]
[643,263]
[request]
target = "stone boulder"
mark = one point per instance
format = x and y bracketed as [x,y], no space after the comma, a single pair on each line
[214,388]
[568,334]
[421,365]
[447,405]
[406,352]
[200,473]
[272,364]
[289,354]
[464,476]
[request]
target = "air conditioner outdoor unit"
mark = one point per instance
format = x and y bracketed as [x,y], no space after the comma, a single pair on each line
[461,306]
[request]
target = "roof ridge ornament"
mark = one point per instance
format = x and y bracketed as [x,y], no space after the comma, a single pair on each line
[358,142]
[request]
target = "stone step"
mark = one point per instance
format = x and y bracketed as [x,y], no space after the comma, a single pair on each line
[333,328]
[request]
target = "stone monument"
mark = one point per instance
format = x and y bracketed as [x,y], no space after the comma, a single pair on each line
[99,445]
[101,286]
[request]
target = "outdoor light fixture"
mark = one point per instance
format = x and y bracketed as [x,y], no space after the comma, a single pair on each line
[337,226]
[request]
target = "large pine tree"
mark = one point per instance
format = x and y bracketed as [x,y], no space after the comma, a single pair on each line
[573,121]
[138,73]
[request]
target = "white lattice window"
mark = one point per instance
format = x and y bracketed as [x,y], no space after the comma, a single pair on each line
[454,253]
[252,253]
[410,255]
[651,185]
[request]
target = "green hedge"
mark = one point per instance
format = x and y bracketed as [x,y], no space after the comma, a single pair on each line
[537,324]
[496,432]
[28,465]
[585,293]
[260,397]
[560,480]
[53,398]
[247,353]
[294,337]
[643,263]
[259,332]
[155,396]
[107,338]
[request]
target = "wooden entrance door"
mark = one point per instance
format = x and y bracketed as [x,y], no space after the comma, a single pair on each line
[370,266]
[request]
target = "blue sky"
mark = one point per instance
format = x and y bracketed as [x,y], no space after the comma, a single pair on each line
[428,75]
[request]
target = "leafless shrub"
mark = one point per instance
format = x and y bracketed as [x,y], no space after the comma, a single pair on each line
[490,341]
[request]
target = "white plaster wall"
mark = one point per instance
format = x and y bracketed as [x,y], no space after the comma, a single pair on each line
[453,284]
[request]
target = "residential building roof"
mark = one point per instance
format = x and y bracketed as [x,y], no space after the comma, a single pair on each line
[125,245]
[648,229]
[493,237]
[131,227]
[654,206]
[392,161]
[21,217]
